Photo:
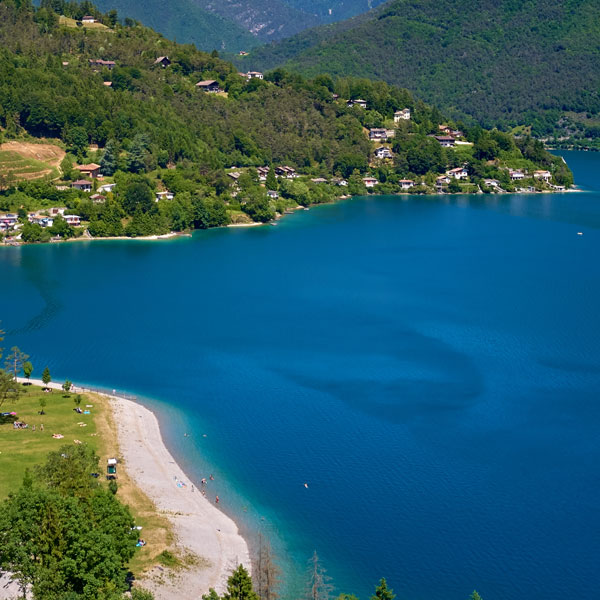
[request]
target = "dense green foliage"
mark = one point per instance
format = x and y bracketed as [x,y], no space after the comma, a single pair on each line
[506,62]
[66,535]
[156,132]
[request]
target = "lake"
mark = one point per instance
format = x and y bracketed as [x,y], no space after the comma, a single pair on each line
[429,366]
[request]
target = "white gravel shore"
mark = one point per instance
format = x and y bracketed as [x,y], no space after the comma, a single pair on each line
[199,526]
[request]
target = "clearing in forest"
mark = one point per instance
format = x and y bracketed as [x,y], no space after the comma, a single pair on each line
[25,160]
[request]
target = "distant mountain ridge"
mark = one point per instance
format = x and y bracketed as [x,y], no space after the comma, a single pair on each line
[234,25]
[496,61]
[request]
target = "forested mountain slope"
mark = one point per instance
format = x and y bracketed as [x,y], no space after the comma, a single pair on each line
[185,21]
[499,61]
[234,25]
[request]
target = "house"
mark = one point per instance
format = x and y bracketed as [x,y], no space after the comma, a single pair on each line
[445,129]
[445,141]
[335,96]
[108,64]
[83,185]
[319,180]
[383,152]
[166,195]
[163,61]
[544,175]
[210,85]
[57,211]
[406,184]
[243,53]
[254,75]
[442,180]
[516,175]
[107,83]
[340,182]
[370,182]
[98,199]
[378,133]
[287,172]
[357,102]
[88,19]
[8,222]
[46,222]
[402,115]
[73,220]
[235,175]
[262,173]
[92,170]
[273,194]
[458,173]
[107,188]
[493,183]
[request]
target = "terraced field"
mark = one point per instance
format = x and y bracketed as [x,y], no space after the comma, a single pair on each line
[24,160]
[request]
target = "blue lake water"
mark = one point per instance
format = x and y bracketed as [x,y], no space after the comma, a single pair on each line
[429,366]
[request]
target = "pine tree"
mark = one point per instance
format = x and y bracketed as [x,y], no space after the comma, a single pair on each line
[108,163]
[239,586]
[271,180]
[382,592]
[46,376]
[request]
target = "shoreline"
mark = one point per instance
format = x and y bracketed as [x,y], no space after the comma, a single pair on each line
[203,533]
[176,234]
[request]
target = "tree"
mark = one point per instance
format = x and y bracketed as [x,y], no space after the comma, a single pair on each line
[8,389]
[454,186]
[42,405]
[66,386]
[212,595]
[382,592]
[266,572]
[138,196]
[78,399]
[271,180]
[64,534]
[109,160]
[137,153]
[46,376]
[239,586]
[27,369]
[475,596]
[15,360]
[319,583]
[61,228]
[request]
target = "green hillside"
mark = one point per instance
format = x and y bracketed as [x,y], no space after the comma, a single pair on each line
[502,61]
[101,95]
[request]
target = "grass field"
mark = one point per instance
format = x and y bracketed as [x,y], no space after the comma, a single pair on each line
[24,160]
[22,449]
[67,22]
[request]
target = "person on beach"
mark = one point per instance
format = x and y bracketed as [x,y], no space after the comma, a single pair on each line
[217,500]
[212,478]
[203,481]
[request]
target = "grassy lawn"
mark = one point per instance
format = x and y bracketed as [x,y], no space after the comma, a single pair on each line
[24,448]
